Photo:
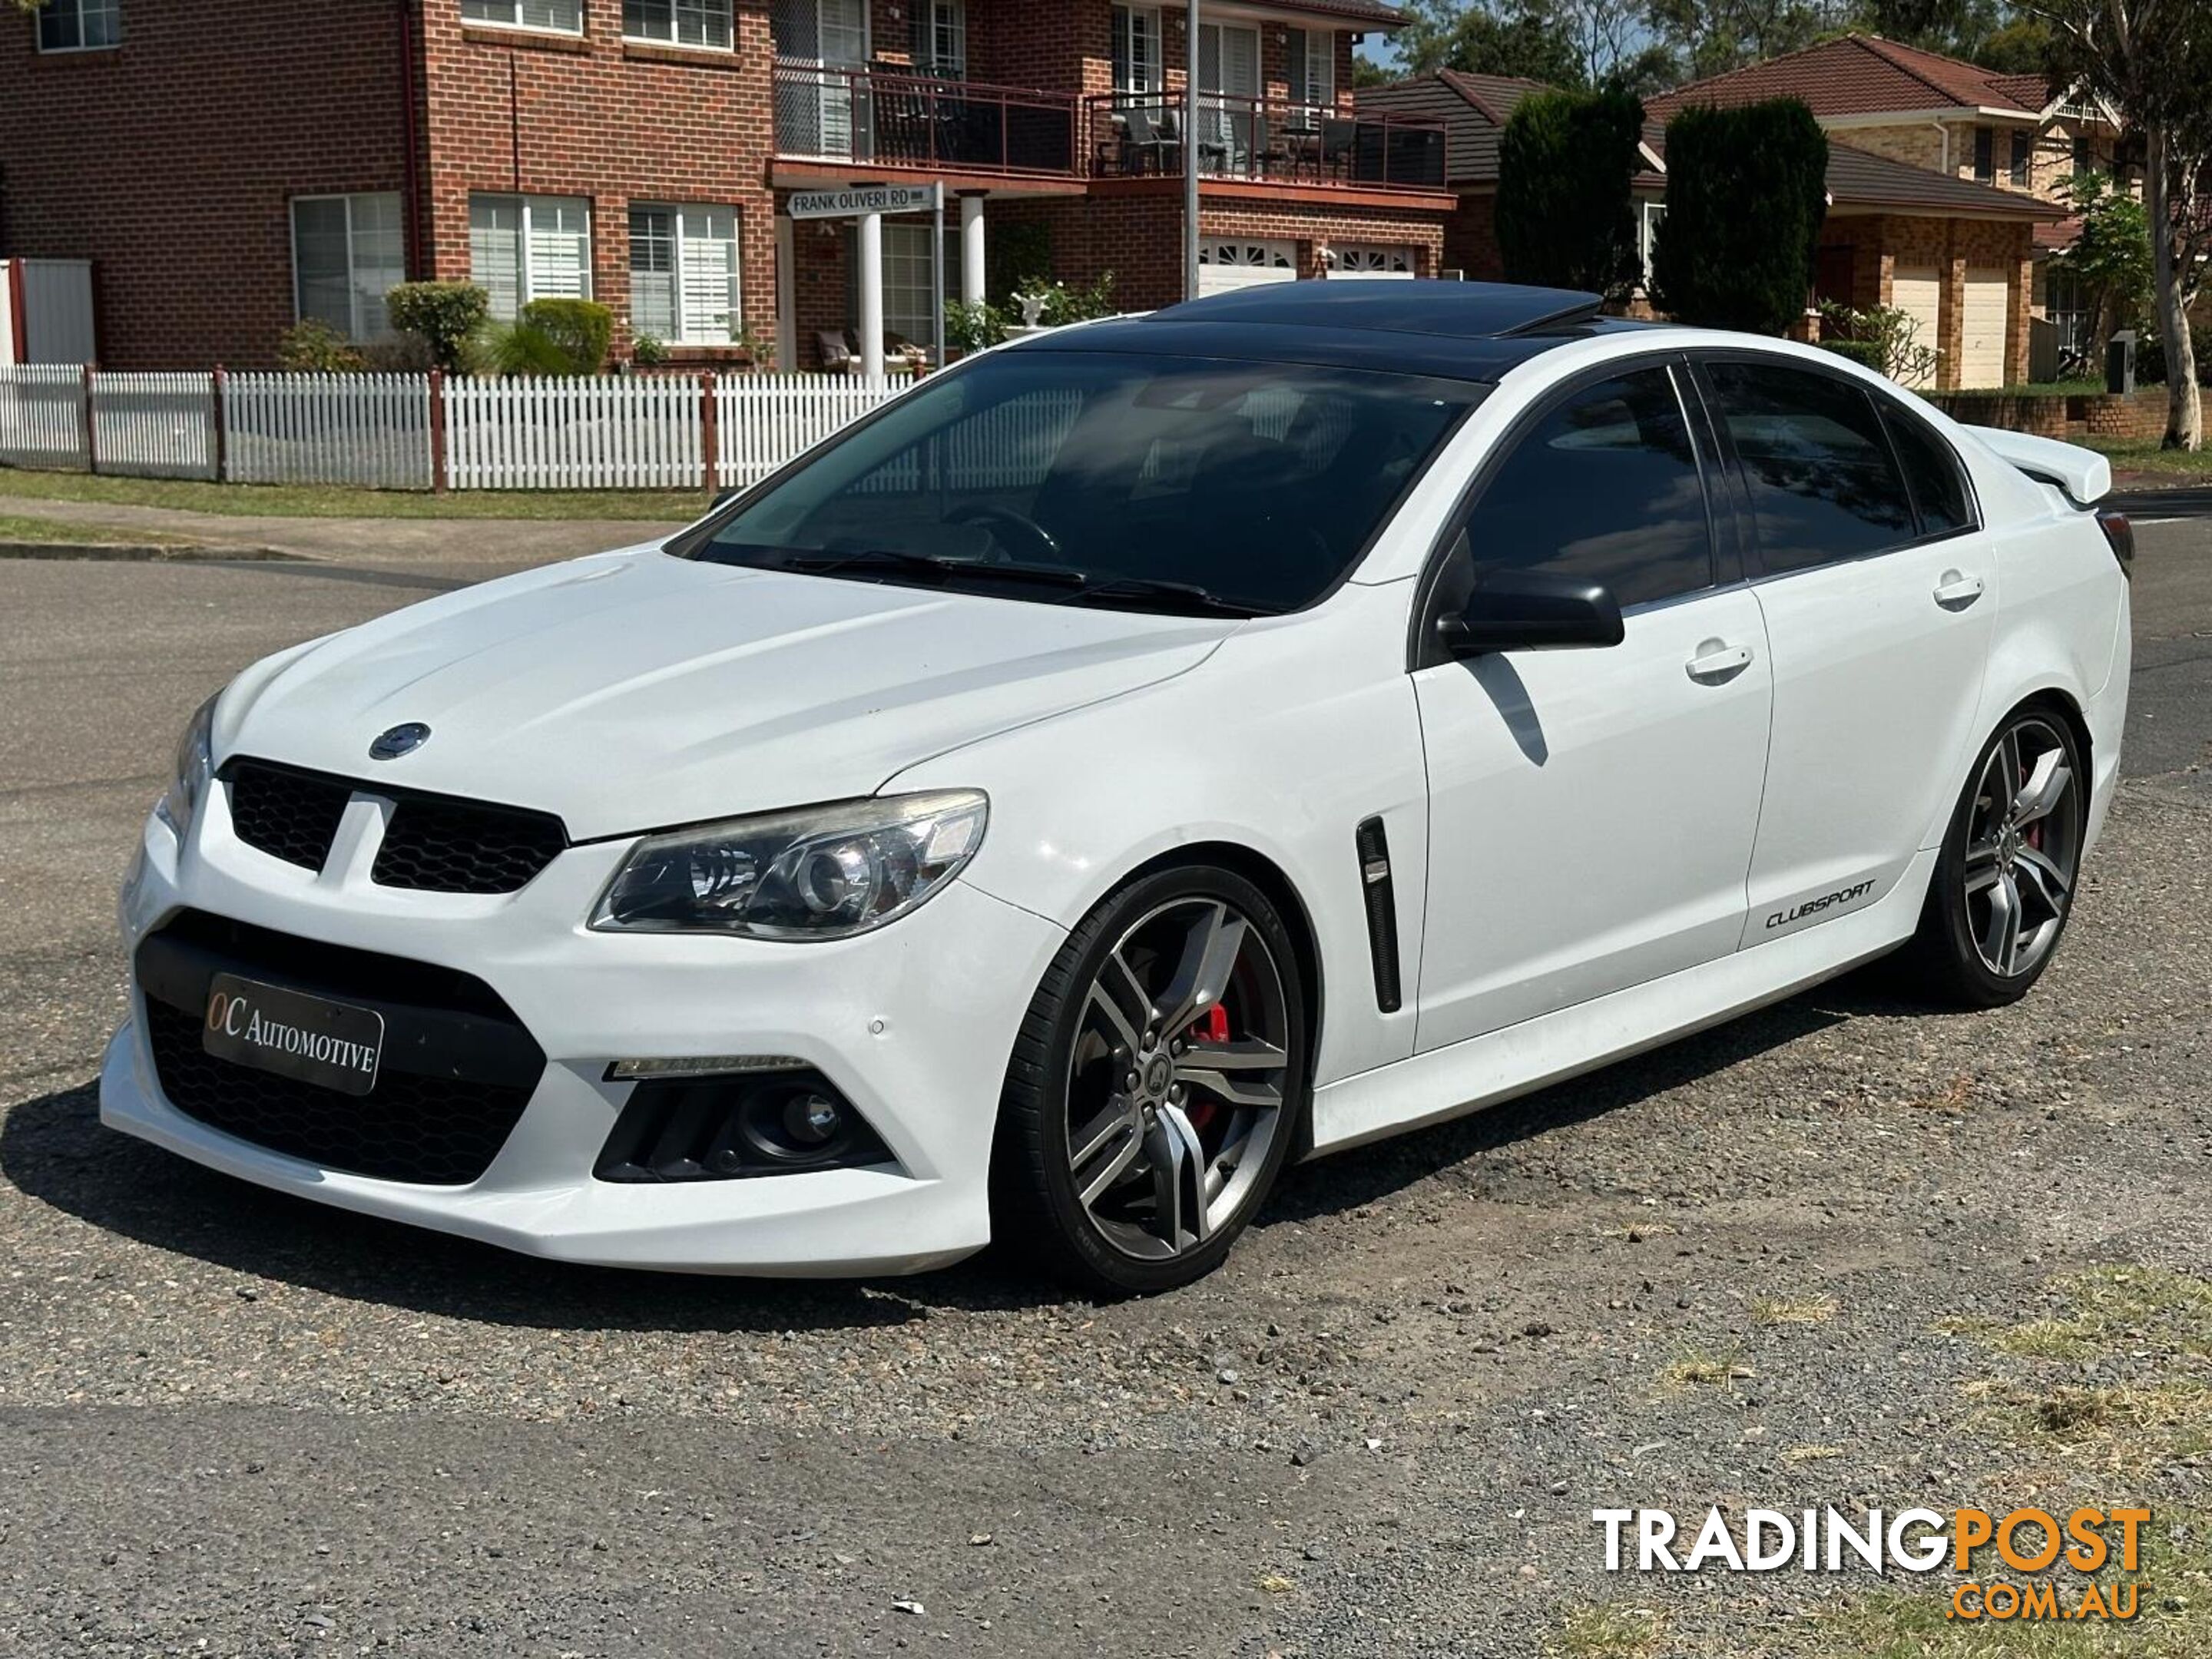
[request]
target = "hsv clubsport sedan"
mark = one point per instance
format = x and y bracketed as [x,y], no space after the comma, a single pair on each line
[1134,760]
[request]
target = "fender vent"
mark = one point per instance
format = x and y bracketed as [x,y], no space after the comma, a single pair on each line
[1374,849]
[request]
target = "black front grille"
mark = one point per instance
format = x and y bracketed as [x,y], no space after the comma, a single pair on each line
[452,847]
[292,816]
[458,1067]
[433,843]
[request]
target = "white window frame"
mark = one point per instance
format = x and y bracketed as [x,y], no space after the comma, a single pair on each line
[515,20]
[525,283]
[946,16]
[360,328]
[1312,50]
[733,319]
[1144,76]
[721,11]
[1649,214]
[110,9]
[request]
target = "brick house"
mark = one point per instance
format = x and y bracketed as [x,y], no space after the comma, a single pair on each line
[233,165]
[1956,246]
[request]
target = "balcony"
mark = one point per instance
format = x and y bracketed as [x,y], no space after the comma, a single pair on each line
[1259,141]
[853,116]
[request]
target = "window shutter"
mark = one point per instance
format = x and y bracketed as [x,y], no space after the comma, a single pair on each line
[710,275]
[496,252]
[560,251]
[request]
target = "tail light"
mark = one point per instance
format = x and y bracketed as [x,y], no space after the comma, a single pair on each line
[2120,534]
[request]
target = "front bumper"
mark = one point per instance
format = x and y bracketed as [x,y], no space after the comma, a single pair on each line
[913,1025]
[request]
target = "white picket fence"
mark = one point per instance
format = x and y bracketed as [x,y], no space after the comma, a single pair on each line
[369,430]
[422,431]
[42,416]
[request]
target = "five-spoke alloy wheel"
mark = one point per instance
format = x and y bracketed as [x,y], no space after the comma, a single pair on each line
[1158,1083]
[2005,884]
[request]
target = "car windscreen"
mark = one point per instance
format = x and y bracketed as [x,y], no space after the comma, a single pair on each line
[1107,478]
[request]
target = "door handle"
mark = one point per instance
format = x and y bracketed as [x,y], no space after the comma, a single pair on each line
[1956,592]
[1717,662]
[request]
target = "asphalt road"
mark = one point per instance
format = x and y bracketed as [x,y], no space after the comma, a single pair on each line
[235,1424]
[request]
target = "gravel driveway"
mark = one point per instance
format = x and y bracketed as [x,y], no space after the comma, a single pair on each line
[1786,1263]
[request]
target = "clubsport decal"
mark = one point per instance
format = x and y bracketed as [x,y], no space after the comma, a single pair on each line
[1812,907]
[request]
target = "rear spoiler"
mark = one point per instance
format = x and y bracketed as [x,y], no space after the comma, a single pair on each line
[2083,474]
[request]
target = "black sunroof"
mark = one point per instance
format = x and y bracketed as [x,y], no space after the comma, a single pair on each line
[1470,311]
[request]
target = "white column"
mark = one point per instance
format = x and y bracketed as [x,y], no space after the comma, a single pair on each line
[871,295]
[971,250]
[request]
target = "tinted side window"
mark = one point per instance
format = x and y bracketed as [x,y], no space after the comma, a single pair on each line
[1607,489]
[1939,486]
[1823,484]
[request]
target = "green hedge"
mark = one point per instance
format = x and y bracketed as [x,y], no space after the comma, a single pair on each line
[445,315]
[1566,212]
[1746,190]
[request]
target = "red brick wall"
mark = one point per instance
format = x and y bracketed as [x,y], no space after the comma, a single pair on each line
[1471,239]
[548,115]
[170,161]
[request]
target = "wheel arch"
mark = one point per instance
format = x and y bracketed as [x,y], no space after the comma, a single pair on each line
[1272,879]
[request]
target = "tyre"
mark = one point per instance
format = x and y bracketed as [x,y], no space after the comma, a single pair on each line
[2004,881]
[1156,1087]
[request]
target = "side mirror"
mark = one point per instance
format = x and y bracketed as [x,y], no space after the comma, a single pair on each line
[1531,611]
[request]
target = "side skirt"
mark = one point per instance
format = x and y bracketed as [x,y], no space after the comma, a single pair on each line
[1498,1065]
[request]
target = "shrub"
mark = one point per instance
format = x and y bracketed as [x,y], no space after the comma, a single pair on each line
[312,346]
[1885,338]
[974,328]
[1746,189]
[649,350]
[445,315]
[2150,354]
[399,354]
[1865,353]
[1566,214]
[578,331]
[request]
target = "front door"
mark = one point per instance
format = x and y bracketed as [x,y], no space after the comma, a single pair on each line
[1592,810]
[1879,596]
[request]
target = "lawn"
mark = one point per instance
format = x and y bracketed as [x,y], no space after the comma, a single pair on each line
[16,527]
[332,502]
[2143,455]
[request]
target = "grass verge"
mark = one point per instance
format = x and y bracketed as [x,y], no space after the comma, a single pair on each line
[2143,455]
[17,527]
[332,502]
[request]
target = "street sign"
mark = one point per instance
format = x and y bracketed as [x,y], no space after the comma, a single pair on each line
[853,204]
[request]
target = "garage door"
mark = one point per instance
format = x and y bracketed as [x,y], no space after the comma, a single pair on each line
[1919,291]
[1382,259]
[1981,352]
[1223,266]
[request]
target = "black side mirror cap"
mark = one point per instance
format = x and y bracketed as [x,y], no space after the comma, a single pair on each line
[1532,611]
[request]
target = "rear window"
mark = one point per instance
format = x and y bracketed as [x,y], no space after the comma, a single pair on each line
[1260,482]
[1932,470]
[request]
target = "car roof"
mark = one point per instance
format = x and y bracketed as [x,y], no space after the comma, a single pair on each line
[1455,331]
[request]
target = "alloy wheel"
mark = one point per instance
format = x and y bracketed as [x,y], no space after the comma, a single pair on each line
[1176,1078]
[2023,848]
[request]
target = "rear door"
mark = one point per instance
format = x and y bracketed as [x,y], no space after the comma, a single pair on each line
[1591,812]
[1878,589]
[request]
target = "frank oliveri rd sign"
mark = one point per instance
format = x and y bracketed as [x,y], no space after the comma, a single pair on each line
[852,204]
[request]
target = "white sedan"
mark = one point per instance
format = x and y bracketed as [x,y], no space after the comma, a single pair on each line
[1135,760]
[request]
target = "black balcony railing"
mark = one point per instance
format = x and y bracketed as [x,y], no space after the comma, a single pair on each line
[835,113]
[1136,135]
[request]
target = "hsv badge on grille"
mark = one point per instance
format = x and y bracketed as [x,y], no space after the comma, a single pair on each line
[400,740]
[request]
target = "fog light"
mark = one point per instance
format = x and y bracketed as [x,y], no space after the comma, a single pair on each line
[811,1120]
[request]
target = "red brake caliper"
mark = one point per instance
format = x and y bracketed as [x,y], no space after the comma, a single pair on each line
[1212,1026]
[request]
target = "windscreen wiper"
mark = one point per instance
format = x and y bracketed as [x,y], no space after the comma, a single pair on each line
[889,561]
[1186,597]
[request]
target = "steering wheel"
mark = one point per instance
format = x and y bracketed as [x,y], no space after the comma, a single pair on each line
[995,517]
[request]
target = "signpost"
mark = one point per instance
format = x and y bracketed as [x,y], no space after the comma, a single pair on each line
[864,199]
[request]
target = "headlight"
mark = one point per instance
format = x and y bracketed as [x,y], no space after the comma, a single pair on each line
[821,873]
[188,782]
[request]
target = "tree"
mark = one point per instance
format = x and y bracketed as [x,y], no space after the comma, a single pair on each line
[2020,46]
[1746,189]
[1566,215]
[1564,43]
[2152,61]
[2109,255]
[1711,37]
[1524,40]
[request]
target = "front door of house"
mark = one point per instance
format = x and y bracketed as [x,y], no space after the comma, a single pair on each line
[821,105]
[1228,68]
